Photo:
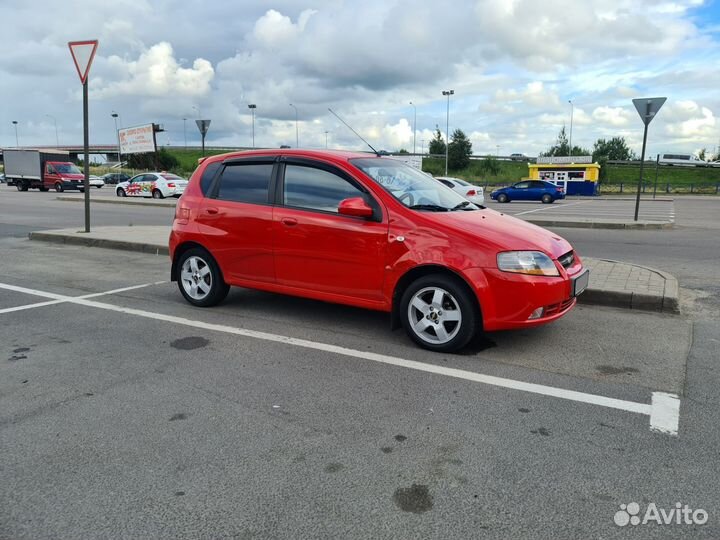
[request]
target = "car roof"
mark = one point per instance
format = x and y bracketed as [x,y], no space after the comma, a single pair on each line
[331,155]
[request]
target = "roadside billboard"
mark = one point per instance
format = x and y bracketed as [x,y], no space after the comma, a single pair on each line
[137,140]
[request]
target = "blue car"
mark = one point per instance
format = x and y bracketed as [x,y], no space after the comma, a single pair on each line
[529,190]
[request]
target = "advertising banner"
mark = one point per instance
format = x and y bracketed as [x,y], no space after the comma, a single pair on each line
[137,140]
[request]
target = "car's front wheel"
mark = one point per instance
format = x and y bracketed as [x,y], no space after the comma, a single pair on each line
[547,198]
[120,192]
[502,198]
[58,187]
[200,279]
[438,313]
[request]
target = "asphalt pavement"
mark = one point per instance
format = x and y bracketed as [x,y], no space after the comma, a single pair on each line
[125,412]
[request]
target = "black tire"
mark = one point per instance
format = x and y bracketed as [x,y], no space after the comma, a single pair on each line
[22,186]
[44,189]
[98,187]
[547,198]
[120,192]
[59,187]
[157,194]
[218,289]
[456,297]
[503,198]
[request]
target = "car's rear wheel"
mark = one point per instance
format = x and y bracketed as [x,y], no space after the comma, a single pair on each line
[547,198]
[21,186]
[59,187]
[502,198]
[157,194]
[438,313]
[200,279]
[120,192]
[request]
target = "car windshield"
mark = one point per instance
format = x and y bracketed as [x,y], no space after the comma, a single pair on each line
[414,188]
[67,168]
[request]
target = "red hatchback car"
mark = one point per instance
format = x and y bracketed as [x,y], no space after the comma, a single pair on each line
[367,231]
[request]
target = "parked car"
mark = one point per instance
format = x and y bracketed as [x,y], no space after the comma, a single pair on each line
[371,232]
[471,192]
[115,178]
[157,185]
[96,181]
[518,157]
[529,190]
[2,178]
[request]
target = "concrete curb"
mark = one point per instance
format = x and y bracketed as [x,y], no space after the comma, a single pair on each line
[121,200]
[125,245]
[668,302]
[600,224]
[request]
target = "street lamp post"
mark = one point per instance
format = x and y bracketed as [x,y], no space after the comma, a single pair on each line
[447,93]
[17,144]
[572,111]
[326,134]
[414,124]
[117,136]
[297,136]
[57,140]
[185,132]
[252,108]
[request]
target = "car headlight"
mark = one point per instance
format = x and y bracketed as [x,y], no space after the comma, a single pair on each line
[534,263]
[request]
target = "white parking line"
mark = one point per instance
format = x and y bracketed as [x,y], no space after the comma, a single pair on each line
[60,299]
[550,207]
[664,409]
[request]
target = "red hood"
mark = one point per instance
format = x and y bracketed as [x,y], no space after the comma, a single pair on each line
[505,232]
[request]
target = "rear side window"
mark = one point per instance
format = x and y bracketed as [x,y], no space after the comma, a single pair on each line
[245,183]
[316,189]
[208,175]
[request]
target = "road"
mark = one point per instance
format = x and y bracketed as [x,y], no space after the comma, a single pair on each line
[132,414]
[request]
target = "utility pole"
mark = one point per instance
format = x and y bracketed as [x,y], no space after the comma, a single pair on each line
[447,93]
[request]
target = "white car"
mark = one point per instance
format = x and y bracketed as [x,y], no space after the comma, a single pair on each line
[96,181]
[157,185]
[471,192]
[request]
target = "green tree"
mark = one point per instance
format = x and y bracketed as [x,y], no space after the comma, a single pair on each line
[702,154]
[615,149]
[562,147]
[459,150]
[402,151]
[164,161]
[437,144]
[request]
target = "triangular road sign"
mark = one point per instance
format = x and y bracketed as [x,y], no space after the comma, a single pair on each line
[203,126]
[83,53]
[647,108]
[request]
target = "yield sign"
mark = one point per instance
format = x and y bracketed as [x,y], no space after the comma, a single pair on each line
[203,126]
[83,53]
[647,108]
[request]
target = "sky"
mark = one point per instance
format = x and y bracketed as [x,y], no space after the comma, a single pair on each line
[514,66]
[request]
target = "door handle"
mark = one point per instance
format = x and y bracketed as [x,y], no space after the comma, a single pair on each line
[211,211]
[290,222]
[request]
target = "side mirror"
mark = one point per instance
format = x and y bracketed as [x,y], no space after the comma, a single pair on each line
[356,207]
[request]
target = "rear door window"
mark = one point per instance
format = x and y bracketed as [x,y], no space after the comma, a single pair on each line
[246,183]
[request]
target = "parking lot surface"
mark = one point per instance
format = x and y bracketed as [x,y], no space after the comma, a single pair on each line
[125,412]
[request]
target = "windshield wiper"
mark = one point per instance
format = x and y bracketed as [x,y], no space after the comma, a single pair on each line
[430,207]
[460,206]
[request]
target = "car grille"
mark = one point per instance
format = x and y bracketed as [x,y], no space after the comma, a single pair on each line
[567,260]
[554,309]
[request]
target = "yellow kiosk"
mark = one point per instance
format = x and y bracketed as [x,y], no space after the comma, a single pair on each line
[577,175]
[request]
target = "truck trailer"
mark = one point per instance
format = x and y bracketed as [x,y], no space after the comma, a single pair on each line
[42,169]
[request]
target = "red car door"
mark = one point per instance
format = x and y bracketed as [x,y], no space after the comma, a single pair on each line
[320,251]
[236,220]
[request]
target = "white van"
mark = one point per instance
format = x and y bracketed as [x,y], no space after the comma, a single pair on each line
[681,159]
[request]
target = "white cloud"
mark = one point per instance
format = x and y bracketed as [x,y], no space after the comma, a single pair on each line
[156,73]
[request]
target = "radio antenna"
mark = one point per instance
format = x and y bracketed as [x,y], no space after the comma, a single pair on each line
[355,132]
